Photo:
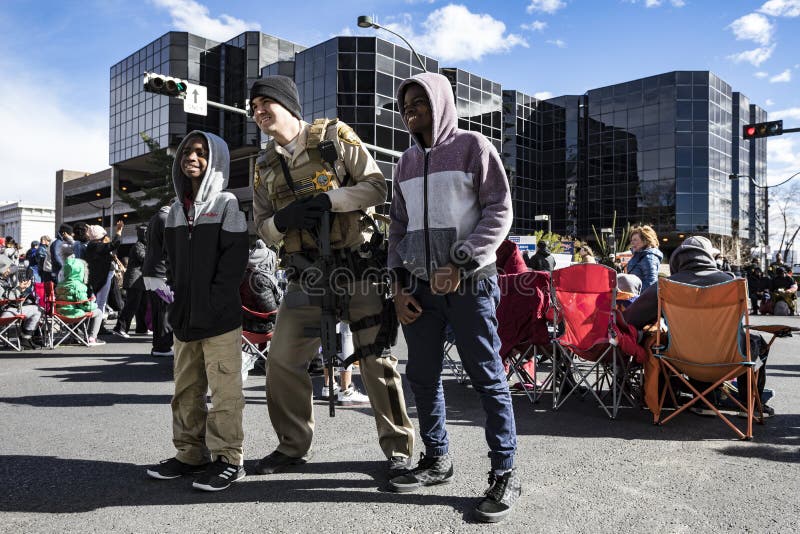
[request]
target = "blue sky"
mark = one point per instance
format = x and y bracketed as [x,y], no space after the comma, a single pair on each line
[57,55]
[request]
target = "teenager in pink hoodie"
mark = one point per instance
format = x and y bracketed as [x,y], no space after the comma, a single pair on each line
[451,210]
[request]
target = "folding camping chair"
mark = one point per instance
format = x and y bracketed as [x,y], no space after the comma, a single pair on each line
[708,340]
[251,342]
[594,353]
[63,326]
[455,366]
[522,327]
[11,325]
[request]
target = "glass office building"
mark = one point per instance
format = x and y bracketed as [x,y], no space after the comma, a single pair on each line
[521,148]
[657,150]
[479,104]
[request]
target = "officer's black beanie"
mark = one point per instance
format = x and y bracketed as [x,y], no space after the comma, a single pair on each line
[282,90]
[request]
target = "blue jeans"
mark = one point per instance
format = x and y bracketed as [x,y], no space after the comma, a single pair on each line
[471,311]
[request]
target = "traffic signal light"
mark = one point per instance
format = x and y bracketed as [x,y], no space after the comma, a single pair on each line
[164,85]
[762,129]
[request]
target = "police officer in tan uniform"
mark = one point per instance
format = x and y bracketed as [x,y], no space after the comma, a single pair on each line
[297,180]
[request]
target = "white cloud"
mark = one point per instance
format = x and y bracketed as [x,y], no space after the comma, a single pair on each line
[535,26]
[557,42]
[783,157]
[788,113]
[77,139]
[678,3]
[191,16]
[756,57]
[785,76]
[453,33]
[543,95]
[781,8]
[769,102]
[545,6]
[752,27]
[761,74]
[652,3]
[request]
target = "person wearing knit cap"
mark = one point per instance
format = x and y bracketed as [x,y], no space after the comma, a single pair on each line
[304,171]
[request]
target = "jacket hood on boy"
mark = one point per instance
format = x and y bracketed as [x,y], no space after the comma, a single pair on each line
[205,249]
[263,257]
[216,176]
[451,203]
[443,107]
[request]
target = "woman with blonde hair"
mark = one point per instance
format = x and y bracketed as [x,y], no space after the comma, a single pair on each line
[586,254]
[646,256]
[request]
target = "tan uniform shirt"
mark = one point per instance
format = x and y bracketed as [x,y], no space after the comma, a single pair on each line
[367,186]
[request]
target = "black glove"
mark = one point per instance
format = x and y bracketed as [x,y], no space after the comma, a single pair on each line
[303,213]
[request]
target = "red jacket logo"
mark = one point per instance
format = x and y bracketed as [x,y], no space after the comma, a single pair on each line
[211,214]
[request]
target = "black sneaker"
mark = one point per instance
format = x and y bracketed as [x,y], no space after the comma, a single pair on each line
[503,492]
[219,476]
[398,465]
[174,468]
[430,470]
[276,461]
[120,333]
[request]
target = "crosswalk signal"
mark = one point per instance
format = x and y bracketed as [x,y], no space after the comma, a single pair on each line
[762,129]
[164,85]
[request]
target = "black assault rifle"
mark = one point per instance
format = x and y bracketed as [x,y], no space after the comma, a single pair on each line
[327,330]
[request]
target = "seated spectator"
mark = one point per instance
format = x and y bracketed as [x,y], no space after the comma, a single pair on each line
[259,289]
[586,255]
[629,287]
[12,289]
[73,288]
[542,260]
[784,292]
[693,263]
[757,282]
[646,258]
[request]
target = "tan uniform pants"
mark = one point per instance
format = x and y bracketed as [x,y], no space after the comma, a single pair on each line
[289,390]
[198,433]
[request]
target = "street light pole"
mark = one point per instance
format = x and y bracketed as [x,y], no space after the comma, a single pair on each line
[766,189]
[545,218]
[365,21]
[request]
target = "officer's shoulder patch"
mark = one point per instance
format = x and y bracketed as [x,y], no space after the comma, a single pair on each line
[347,135]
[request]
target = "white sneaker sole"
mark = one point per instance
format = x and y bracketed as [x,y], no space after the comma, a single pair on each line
[159,476]
[206,487]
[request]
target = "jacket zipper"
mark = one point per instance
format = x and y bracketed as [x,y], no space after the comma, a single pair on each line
[425,224]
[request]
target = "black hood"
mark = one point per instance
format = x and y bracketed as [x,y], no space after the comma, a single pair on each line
[694,254]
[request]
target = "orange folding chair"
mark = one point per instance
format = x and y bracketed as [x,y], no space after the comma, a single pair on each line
[708,340]
[523,328]
[11,325]
[595,353]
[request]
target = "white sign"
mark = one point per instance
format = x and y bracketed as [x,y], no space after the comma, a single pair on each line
[196,99]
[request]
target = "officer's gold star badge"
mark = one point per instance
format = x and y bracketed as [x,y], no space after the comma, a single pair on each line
[322,180]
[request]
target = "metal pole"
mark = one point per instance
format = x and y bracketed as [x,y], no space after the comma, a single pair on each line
[766,228]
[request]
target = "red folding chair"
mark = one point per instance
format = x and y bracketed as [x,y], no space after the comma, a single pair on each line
[253,341]
[594,353]
[523,328]
[65,326]
[12,324]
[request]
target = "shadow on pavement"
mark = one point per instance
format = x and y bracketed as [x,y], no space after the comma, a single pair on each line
[107,484]
[85,399]
[775,453]
[115,368]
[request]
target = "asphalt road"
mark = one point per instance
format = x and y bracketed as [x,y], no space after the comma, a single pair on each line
[80,425]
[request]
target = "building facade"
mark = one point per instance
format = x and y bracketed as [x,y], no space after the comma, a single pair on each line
[26,223]
[657,150]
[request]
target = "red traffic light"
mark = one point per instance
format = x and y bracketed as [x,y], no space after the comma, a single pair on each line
[762,129]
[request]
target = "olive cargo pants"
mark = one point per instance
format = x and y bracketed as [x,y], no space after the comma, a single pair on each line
[213,363]
[289,389]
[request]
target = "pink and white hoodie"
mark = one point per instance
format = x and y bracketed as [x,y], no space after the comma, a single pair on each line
[450,203]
